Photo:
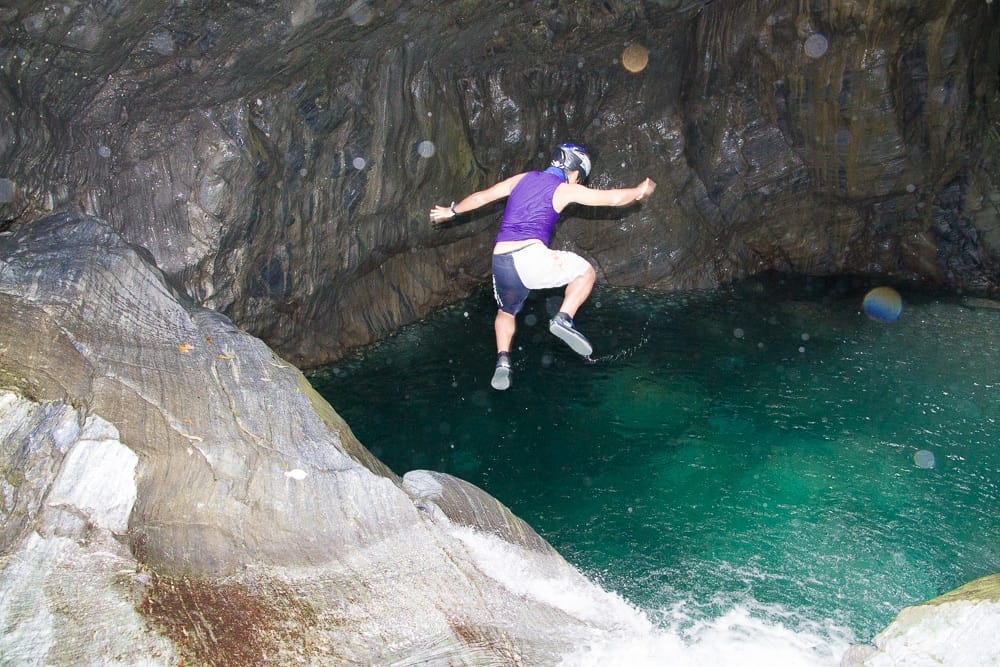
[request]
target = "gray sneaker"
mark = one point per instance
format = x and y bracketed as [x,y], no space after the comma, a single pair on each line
[561,326]
[501,374]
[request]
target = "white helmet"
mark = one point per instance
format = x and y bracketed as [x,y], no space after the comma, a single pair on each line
[569,157]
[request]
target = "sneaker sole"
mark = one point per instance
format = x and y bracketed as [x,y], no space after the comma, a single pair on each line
[501,378]
[576,340]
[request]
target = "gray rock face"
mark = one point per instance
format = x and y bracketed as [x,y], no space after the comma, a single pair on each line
[278,159]
[196,397]
[162,467]
[68,487]
[269,166]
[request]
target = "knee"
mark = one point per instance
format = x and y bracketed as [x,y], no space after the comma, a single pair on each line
[586,278]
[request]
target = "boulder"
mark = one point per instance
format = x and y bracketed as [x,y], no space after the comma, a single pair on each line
[173,490]
[961,627]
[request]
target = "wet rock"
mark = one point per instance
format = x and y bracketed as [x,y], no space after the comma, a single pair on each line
[457,501]
[279,161]
[957,628]
[174,491]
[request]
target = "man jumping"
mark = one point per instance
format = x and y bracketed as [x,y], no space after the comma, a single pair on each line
[522,260]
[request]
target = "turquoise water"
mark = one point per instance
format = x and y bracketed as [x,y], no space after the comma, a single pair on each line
[768,449]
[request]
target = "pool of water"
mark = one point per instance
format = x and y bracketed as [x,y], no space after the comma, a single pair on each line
[767,451]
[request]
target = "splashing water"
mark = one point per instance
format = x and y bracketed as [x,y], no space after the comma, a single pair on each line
[762,498]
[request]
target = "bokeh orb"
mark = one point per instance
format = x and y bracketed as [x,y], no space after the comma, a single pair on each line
[426,149]
[7,190]
[360,13]
[923,458]
[883,304]
[816,45]
[635,57]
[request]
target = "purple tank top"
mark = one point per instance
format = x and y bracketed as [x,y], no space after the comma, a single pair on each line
[529,213]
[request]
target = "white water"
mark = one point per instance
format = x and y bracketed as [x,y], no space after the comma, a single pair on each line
[747,634]
[738,637]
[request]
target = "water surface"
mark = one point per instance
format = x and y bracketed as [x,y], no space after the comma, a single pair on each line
[765,461]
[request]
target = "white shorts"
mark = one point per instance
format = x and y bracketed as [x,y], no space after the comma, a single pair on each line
[542,268]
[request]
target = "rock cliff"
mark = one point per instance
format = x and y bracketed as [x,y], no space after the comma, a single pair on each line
[174,491]
[278,159]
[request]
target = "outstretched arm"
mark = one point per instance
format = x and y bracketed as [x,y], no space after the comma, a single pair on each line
[574,193]
[475,200]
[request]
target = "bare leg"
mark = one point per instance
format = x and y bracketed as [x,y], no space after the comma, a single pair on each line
[504,327]
[577,292]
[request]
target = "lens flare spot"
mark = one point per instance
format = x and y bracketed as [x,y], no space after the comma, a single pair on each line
[360,13]
[7,189]
[635,57]
[816,45]
[426,148]
[883,304]
[924,459]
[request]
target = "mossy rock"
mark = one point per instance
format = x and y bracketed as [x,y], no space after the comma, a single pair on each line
[984,589]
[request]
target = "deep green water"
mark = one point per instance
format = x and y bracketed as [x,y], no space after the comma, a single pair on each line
[769,448]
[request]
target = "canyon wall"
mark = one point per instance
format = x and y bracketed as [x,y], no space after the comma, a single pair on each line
[278,160]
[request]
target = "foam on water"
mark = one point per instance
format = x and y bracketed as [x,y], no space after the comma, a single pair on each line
[748,634]
[738,637]
[530,575]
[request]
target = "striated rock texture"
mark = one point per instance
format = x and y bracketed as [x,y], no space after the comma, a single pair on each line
[172,491]
[278,159]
